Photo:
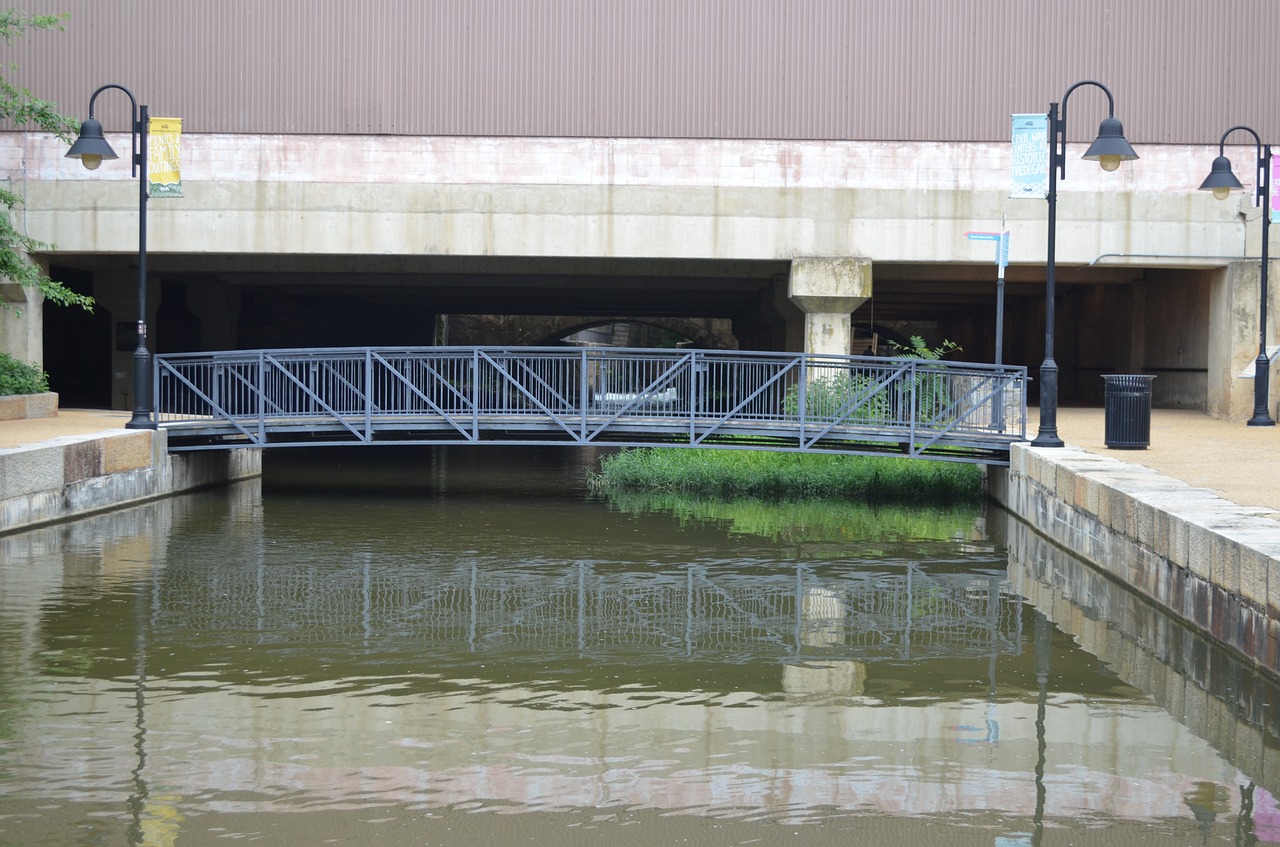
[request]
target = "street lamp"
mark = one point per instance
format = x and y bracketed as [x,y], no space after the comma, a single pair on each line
[1108,150]
[1222,181]
[91,148]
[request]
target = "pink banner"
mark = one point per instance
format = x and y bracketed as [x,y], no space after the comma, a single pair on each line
[1275,189]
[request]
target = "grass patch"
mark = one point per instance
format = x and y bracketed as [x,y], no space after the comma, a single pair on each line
[731,474]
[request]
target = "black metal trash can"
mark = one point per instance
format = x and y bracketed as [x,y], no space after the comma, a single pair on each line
[1127,410]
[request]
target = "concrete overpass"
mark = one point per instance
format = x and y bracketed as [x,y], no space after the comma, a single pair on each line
[355,240]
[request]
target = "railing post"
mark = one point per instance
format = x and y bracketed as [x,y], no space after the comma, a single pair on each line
[695,390]
[155,393]
[475,393]
[583,397]
[368,394]
[217,373]
[913,404]
[802,408]
[262,396]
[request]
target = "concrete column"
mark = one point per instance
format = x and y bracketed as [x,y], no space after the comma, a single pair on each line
[829,290]
[22,323]
[117,293]
[218,307]
[1233,338]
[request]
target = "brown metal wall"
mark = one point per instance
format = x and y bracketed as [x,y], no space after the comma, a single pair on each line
[949,70]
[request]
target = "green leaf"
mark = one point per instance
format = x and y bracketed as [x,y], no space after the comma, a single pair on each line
[22,108]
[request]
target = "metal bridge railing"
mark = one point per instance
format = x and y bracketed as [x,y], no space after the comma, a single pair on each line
[610,396]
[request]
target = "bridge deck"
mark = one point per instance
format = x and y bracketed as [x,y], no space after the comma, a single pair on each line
[602,397]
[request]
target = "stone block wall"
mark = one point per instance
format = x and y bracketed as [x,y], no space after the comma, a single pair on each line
[68,477]
[16,407]
[1211,563]
[1205,686]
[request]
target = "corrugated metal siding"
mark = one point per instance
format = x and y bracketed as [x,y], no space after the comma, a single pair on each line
[947,70]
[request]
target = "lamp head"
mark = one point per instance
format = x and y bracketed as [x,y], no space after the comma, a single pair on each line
[1110,148]
[91,147]
[1221,180]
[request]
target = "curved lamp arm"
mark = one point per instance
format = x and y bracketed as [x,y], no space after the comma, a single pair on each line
[91,146]
[1109,149]
[1222,179]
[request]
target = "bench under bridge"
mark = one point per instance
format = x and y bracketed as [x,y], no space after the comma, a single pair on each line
[607,397]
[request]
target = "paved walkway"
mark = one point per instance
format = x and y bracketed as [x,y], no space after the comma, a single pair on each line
[1238,462]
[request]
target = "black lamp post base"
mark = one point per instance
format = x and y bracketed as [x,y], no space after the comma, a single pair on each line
[141,385]
[1262,379]
[1047,439]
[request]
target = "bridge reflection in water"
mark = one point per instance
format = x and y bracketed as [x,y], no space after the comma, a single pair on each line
[614,613]
[591,396]
[228,664]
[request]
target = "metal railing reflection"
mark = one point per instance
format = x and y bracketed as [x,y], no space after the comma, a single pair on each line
[577,608]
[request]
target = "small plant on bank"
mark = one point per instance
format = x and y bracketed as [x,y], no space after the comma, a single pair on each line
[20,378]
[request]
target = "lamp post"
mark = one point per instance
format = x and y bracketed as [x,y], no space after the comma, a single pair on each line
[1109,149]
[91,148]
[1222,181]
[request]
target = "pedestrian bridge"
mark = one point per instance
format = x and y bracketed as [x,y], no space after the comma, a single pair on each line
[607,397]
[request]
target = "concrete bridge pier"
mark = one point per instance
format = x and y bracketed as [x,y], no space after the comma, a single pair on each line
[1233,339]
[829,290]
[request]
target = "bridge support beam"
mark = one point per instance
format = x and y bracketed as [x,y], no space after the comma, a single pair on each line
[829,290]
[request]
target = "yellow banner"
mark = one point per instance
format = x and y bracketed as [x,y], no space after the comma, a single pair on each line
[163,148]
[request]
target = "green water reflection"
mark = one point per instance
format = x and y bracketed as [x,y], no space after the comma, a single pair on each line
[431,648]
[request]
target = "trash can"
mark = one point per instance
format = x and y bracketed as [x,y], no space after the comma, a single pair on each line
[1127,410]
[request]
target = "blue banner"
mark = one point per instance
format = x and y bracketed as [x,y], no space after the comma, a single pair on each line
[1030,157]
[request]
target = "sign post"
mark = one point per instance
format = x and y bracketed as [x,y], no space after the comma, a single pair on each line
[1001,240]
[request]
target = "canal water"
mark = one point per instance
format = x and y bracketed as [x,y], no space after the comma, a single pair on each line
[447,648]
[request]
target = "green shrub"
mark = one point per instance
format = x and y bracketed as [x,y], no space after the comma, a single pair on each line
[834,397]
[859,398]
[932,389]
[20,378]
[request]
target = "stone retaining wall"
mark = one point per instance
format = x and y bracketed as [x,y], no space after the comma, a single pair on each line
[71,476]
[1207,687]
[16,407]
[1212,563]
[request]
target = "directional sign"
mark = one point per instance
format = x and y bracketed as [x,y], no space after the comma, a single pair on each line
[1001,240]
[1002,244]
